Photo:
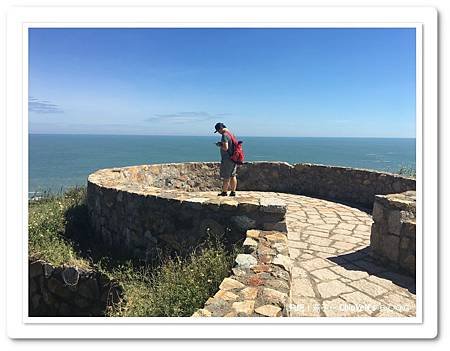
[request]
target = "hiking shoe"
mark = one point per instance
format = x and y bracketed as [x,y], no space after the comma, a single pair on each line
[232,193]
[223,193]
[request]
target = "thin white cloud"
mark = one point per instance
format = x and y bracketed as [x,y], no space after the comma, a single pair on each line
[185,117]
[42,106]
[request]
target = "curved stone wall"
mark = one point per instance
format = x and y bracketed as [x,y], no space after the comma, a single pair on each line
[141,209]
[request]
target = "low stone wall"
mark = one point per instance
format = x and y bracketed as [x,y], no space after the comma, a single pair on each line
[142,209]
[393,235]
[69,291]
[144,224]
[259,286]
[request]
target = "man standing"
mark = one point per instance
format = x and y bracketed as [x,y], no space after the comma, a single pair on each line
[228,168]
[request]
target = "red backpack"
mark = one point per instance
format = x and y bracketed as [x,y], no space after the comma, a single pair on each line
[238,153]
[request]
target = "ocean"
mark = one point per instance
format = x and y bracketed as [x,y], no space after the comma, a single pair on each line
[57,162]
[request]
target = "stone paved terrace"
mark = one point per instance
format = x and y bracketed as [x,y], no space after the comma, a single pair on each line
[332,272]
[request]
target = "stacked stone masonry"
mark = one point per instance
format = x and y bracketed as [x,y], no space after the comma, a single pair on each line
[69,291]
[319,262]
[394,229]
[259,286]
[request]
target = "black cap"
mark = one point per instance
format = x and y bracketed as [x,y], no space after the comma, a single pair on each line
[218,126]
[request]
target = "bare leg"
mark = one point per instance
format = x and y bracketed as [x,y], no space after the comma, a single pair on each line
[233,183]
[226,184]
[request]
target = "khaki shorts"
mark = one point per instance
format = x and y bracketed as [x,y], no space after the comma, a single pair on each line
[228,169]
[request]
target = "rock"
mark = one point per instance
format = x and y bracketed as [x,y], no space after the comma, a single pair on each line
[276,237]
[394,222]
[243,222]
[48,270]
[274,297]
[226,295]
[81,303]
[249,293]
[278,284]
[246,307]
[253,233]
[217,307]
[278,226]
[269,311]
[89,289]
[57,287]
[230,284]
[35,269]
[390,246]
[245,261]
[249,245]
[70,276]
[64,310]
[273,205]
[202,313]
[239,272]
[36,301]
[283,261]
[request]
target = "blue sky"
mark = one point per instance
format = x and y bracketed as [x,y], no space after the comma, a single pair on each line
[260,82]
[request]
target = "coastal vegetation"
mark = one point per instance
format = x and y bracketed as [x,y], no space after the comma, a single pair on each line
[60,234]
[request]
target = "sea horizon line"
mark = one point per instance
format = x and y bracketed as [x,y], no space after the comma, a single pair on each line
[240,136]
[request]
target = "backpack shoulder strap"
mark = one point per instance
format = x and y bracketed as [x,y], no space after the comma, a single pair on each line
[233,139]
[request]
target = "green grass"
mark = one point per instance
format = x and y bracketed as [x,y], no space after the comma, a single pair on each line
[176,288]
[59,233]
[46,228]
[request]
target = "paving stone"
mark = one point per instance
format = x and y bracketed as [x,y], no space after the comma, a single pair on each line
[387,312]
[325,274]
[344,232]
[346,238]
[294,235]
[302,287]
[345,226]
[316,233]
[325,249]
[369,288]
[306,256]
[338,308]
[305,307]
[294,253]
[400,303]
[299,272]
[385,283]
[269,310]
[315,263]
[351,272]
[333,288]
[362,301]
[343,246]
[318,240]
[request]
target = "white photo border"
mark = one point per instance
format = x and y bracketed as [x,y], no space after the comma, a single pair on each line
[423,19]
